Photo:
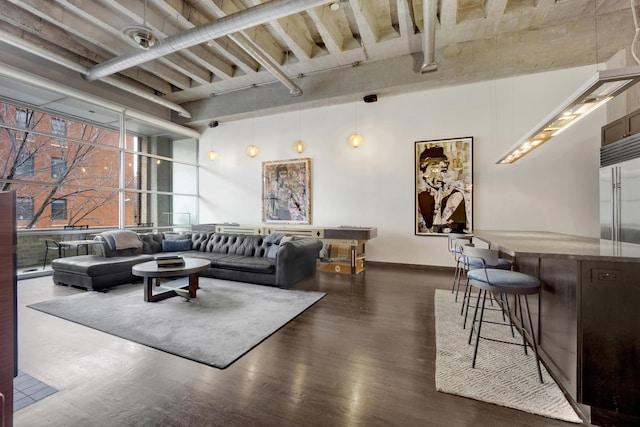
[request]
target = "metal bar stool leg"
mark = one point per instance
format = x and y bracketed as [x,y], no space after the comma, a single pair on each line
[475,315]
[475,350]
[533,337]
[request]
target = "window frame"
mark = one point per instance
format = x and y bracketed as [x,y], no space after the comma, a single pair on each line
[25,165]
[20,205]
[58,164]
[63,211]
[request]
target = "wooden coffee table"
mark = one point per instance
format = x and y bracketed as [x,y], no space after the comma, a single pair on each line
[150,270]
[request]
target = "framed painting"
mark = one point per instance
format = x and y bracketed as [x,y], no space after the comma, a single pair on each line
[444,186]
[286,191]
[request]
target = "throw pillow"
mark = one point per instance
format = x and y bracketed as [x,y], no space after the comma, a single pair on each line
[177,236]
[176,245]
[286,239]
[272,250]
[273,238]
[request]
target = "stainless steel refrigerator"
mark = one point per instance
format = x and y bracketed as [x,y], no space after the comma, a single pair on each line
[620,191]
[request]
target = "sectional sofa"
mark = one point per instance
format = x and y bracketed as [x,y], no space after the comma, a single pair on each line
[274,260]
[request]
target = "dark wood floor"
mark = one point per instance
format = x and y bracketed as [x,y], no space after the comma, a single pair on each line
[363,356]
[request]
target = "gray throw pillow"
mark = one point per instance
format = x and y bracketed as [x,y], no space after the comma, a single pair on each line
[176,245]
[272,251]
[177,236]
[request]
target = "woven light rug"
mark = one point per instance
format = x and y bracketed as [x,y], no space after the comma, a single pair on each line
[226,320]
[503,374]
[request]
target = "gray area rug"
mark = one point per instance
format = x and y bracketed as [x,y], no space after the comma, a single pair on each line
[503,374]
[226,320]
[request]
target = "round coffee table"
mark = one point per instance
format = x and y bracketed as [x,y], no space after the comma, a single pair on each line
[150,270]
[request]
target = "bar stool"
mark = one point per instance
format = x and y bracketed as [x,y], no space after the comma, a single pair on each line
[505,282]
[455,243]
[470,263]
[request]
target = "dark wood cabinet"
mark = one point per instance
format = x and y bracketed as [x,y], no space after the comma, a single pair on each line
[588,320]
[8,321]
[610,371]
[621,128]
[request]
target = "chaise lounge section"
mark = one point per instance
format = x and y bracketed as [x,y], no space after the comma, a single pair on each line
[273,260]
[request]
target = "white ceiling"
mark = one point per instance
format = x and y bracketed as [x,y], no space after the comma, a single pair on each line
[315,49]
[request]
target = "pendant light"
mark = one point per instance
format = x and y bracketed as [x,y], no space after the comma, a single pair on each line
[355,140]
[252,150]
[299,145]
[597,91]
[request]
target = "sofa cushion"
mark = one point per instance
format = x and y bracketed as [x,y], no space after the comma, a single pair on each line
[237,244]
[151,242]
[176,245]
[93,265]
[236,262]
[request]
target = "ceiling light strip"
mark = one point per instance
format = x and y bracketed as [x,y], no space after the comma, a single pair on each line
[601,88]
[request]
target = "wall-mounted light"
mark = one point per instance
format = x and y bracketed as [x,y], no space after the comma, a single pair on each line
[355,140]
[598,90]
[299,146]
[252,151]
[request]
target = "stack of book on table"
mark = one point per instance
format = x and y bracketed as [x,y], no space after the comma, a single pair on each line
[169,261]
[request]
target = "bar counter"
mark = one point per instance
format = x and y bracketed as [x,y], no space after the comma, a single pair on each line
[558,245]
[587,317]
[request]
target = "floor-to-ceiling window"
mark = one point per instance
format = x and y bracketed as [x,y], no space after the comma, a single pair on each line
[67,171]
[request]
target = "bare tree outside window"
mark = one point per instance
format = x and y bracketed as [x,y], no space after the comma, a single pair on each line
[60,168]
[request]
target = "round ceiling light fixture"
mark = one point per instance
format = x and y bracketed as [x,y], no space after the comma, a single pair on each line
[139,36]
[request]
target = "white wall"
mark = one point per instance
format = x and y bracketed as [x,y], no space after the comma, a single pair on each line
[555,188]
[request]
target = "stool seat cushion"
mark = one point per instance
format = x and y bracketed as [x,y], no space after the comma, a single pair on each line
[502,264]
[505,281]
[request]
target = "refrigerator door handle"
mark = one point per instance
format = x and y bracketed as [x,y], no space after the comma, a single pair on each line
[617,214]
[614,203]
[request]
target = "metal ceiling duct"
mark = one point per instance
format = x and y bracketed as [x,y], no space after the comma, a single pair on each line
[229,24]
[34,49]
[249,46]
[429,10]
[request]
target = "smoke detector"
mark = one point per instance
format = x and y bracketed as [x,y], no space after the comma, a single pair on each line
[139,36]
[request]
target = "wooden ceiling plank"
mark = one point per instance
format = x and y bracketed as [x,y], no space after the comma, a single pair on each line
[171,21]
[294,30]
[259,35]
[328,25]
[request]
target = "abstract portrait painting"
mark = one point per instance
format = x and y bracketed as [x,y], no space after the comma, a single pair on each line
[444,186]
[286,191]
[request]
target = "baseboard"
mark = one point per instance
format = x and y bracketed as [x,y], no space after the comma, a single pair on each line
[410,266]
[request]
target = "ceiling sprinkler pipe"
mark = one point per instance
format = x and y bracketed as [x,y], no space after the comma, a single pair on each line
[429,36]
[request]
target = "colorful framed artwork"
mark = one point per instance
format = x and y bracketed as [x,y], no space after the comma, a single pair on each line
[444,186]
[286,191]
